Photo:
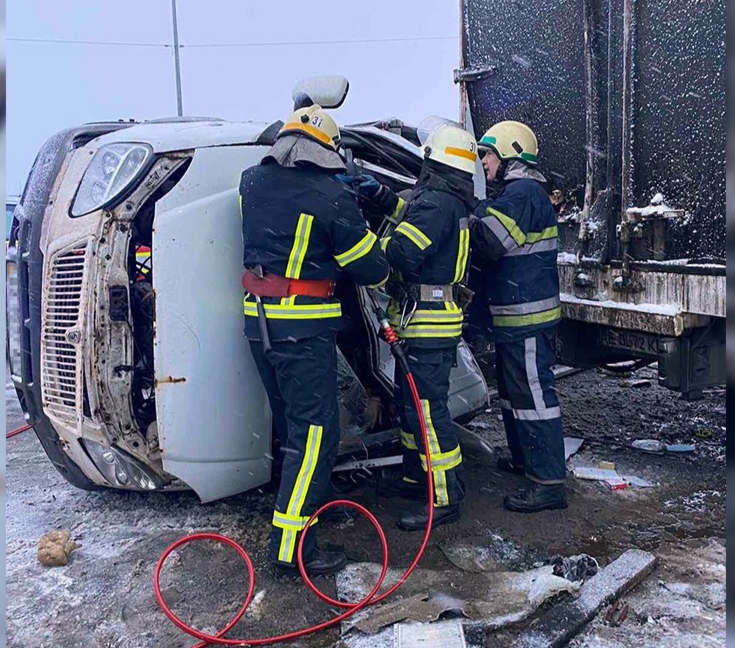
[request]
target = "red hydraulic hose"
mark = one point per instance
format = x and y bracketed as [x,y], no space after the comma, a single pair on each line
[17,431]
[350,608]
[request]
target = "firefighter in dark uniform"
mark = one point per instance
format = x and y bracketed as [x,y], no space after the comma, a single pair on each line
[428,253]
[516,234]
[301,230]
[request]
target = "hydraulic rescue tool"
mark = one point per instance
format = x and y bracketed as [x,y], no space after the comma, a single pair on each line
[398,350]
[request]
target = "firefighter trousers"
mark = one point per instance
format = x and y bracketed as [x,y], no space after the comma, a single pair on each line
[300,378]
[430,369]
[530,406]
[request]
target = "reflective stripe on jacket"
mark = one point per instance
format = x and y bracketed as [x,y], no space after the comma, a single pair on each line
[516,233]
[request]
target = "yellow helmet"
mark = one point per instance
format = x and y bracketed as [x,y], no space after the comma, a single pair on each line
[511,140]
[316,124]
[452,146]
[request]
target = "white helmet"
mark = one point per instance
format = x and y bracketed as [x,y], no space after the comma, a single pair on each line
[452,146]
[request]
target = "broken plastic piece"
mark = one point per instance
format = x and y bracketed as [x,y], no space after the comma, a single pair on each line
[648,445]
[681,447]
[595,474]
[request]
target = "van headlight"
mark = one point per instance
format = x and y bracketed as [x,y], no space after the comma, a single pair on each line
[112,170]
[120,469]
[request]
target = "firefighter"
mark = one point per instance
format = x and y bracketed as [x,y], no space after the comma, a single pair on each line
[428,253]
[301,230]
[515,233]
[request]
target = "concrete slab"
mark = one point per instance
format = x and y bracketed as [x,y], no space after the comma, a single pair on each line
[559,624]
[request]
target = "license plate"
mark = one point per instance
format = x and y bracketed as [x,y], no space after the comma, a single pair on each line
[643,343]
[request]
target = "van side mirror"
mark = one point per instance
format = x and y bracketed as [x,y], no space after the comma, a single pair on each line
[327,91]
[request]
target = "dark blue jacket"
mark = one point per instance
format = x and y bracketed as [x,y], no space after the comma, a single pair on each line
[515,234]
[430,246]
[301,223]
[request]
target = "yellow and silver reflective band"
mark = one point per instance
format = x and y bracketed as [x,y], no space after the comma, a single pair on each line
[548,233]
[443,460]
[300,245]
[526,309]
[528,320]
[300,489]
[440,478]
[505,229]
[384,243]
[414,234]
[397,211]
[528,314]
[357,251]
[424,316]
[431,331]
[408,440]
[463,251]
[291,311]
[546,241]
[283,521]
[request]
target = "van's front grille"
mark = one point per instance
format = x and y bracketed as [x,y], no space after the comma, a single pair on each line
[61,361]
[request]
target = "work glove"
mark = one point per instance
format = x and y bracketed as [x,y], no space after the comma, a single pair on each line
[376,196]
[364,187]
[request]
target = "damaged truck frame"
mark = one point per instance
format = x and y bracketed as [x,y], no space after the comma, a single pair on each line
[627,98]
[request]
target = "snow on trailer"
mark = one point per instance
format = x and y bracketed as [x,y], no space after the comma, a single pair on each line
[627,98]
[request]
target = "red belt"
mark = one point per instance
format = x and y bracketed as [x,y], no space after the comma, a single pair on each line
[272,285]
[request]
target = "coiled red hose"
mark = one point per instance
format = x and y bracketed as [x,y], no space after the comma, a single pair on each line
[350,608]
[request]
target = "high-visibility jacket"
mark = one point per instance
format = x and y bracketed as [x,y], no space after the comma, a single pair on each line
[431,246]
[516,232]
[301,223]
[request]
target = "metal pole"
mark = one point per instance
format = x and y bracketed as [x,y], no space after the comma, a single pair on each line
[177,61]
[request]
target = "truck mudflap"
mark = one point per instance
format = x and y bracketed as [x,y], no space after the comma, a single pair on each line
[24,250]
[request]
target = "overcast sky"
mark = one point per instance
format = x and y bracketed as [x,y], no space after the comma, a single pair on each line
[239,59]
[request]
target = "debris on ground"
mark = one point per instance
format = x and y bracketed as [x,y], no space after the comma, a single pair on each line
[560,623]
[577,569]
[571,446]
[657,447]
[495,555]
[637,384]
[486,600]
[681,447]
[638,482]
[447,634]
[683,604]
[648,445]
[617,613]
[593,473]
[55,547]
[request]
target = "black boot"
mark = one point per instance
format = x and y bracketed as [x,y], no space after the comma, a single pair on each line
[319,563]
[537,498]
[506,464]
[415,520]
[399,487]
